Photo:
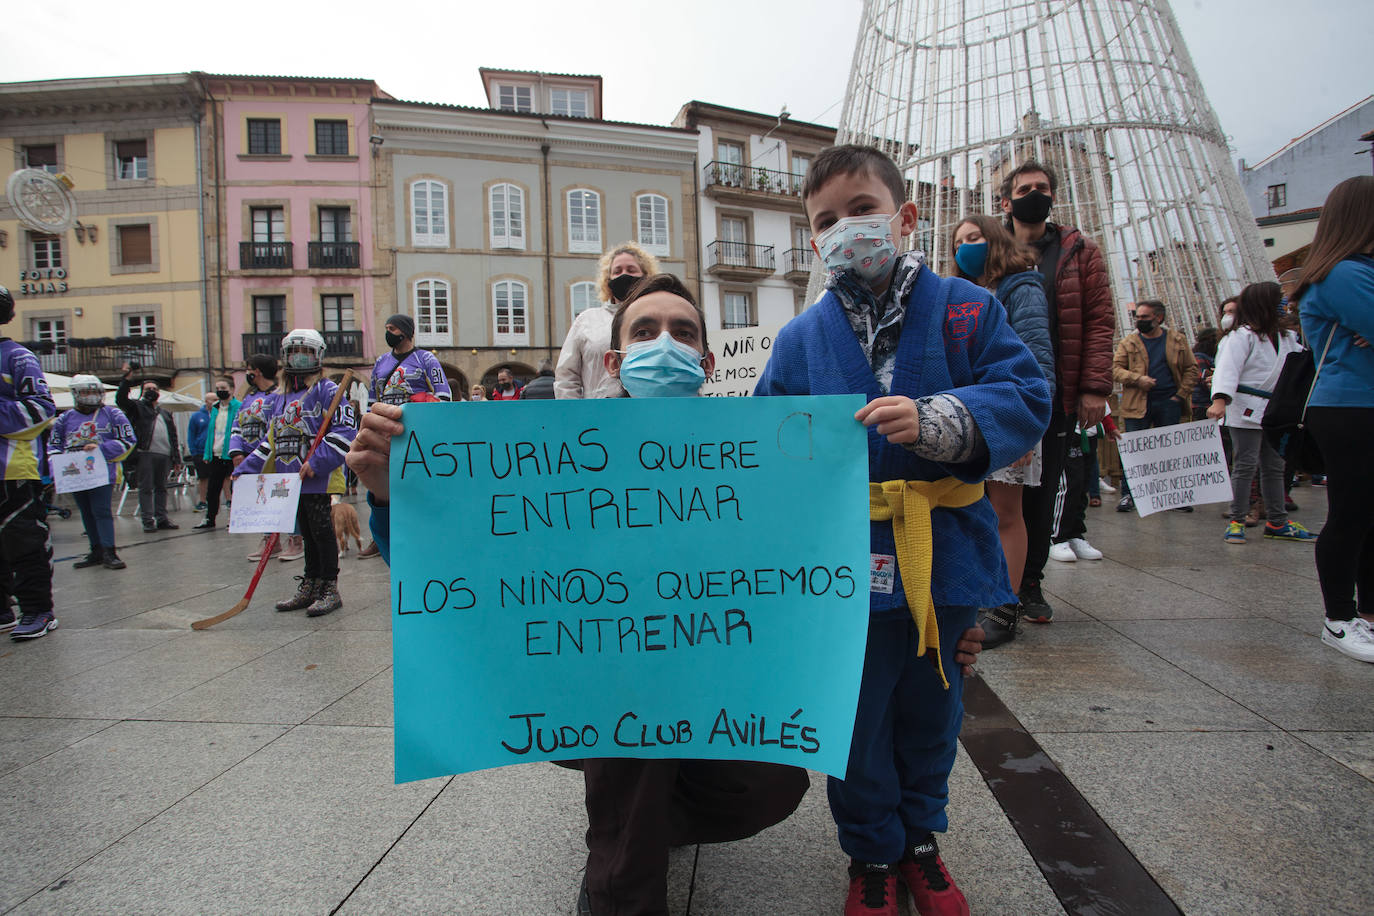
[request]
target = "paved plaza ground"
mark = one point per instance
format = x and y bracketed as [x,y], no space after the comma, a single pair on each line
[1177,740]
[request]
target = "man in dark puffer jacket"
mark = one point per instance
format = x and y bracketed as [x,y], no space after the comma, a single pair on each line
[1082,322]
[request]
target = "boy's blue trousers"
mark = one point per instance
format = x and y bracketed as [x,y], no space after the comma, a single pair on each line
[906,733]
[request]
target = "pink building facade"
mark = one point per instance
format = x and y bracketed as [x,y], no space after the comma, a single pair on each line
[291,186]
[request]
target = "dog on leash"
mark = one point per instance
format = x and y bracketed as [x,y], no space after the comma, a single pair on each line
[345,519]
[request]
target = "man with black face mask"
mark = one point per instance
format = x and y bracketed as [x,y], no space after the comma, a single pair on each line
[1082,321]
[157,451]
[407,371]
[1157,372]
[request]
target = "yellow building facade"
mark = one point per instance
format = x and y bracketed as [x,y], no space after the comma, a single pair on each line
[102,250]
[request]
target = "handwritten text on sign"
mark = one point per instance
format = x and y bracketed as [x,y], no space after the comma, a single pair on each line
[80,470]
[623,578]
[265,503]
[741,354]
[1173,466]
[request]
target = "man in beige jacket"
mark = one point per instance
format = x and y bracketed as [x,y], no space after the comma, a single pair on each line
[1156,370]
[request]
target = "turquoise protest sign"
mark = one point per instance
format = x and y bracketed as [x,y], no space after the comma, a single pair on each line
[622,578]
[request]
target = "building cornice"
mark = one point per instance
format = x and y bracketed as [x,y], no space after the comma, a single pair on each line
[480,125]
[696,113]
[176,94]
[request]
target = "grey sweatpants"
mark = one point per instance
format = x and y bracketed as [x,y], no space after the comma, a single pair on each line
[1251,450]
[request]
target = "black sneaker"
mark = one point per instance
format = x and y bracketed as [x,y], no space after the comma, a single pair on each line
[112,560]
[94,558]
[1034,607]
[167,525]
[208,523]
[1126,505]
[998,623]
[149,528]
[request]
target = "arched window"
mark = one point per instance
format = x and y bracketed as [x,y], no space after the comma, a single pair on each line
[582,296]
[433,313]
[653,223]
[584,221]
[510,312]
[506,203]
[429,214]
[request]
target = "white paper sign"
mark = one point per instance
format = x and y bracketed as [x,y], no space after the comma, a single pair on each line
[265,503]
[83,470]
[740,357]
[1174,466]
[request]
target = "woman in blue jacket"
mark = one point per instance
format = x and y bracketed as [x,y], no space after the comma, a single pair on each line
[988,255]
[1336,301]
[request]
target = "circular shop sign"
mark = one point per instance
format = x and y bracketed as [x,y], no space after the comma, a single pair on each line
[42,201]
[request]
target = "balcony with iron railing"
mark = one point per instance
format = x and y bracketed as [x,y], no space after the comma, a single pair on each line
[105,356]
[265,256]
[796,264]
[751,185]
[739,260]
[338,345]
[333,255]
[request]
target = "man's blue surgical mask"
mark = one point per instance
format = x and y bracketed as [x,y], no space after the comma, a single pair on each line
[862,244]
[661,368]
[972,258]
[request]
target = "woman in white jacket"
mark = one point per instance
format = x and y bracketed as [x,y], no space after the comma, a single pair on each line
[1249,360]
[580,371]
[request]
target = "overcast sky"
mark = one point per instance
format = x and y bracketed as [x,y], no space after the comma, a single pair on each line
[1271,69]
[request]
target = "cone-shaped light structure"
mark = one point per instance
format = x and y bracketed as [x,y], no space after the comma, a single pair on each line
[959,92]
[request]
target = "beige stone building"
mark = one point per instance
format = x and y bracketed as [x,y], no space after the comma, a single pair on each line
[496,217]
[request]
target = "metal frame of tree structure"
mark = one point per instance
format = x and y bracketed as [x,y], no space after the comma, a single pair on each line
[959,92]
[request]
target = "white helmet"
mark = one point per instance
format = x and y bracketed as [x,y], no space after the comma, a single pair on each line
[87,391]
[302,351]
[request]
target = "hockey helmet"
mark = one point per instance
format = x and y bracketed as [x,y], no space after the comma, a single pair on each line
[87,391]
[302,351]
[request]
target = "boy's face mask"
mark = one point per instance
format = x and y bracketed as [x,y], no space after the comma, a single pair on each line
[661,368]
[863,244]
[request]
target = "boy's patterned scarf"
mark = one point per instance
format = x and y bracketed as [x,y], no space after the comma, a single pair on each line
[877,322]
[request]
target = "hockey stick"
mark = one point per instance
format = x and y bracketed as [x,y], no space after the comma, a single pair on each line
[271,544]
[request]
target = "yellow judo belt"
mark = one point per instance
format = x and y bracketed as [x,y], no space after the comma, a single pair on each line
[907,504]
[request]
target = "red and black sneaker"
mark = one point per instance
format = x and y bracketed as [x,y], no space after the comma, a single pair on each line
[872,890]
[932,889]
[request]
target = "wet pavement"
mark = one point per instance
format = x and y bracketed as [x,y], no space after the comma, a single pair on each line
[1177,740]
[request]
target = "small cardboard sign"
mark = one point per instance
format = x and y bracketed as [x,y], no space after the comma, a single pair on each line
[264,503]
[741,354]
[82,470]
[1174,466]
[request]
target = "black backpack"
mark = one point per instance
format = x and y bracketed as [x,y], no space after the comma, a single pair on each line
[1284,417]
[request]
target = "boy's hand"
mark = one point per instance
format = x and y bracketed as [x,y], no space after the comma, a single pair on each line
[967,648]
[370,454]
[307,471]
[895,416]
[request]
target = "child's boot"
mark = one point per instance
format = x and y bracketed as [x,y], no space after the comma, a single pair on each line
[326,598]
[305,594]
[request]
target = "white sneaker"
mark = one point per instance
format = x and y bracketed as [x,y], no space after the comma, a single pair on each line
[257,554]
[1105,485]
[1352,637]
[1083,550]
[295,548]
[1063,553]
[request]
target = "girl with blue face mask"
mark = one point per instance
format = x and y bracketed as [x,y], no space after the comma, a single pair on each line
[985,253]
